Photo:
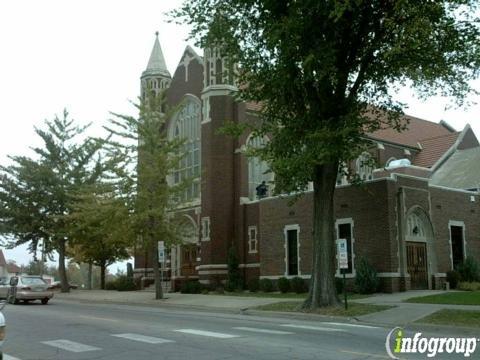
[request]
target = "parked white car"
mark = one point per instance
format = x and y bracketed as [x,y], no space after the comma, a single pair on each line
[2,330]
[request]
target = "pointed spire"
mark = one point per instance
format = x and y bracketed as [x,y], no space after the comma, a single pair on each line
[156,63]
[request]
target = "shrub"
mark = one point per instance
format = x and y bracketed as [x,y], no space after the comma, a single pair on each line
[298,285]
[469,286]
[469,270]
[232,286]
[453,278]
[253,285]
[111,285]
[266,285]
[283,285]
[191,287]
[339,285]
[125,283]
[366,280]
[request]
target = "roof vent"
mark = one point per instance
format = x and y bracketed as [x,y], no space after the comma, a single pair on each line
[398,163]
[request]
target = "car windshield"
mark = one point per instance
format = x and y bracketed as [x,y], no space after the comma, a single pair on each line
[32,281]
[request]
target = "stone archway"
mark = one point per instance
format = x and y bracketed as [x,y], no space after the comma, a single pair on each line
[184,255]
[421,263]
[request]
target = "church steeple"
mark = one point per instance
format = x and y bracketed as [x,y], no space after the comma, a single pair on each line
[156,76]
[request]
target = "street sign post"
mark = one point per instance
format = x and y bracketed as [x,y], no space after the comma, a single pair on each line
[342,256]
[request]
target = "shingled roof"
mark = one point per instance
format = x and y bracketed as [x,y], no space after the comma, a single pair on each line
[433,149]
[417,131]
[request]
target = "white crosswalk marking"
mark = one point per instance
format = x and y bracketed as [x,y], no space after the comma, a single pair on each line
[309,327]
[264,331]
[143,338]
[70,345]
[352,325]
[8,357]
[207,333]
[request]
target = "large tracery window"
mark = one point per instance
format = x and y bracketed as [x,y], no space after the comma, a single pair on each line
[364,166]
[186,125]
[258,170]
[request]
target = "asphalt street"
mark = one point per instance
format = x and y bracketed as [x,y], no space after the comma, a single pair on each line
[68,330]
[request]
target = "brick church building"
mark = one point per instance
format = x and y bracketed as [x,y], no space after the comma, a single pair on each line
[415,217]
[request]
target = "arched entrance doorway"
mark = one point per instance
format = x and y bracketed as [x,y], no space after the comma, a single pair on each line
[421,259]
[184,256]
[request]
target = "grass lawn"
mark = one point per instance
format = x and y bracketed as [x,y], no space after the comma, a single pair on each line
[454,298]
[280,295]
[467,318]
[354,309]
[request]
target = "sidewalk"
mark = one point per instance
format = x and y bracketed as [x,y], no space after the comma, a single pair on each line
[405,313]
[196,301]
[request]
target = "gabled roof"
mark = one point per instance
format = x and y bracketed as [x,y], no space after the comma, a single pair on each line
[433,149]
[416,131]
[156,64]
[460,171]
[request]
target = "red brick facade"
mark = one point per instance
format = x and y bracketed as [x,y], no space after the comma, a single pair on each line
[378,211]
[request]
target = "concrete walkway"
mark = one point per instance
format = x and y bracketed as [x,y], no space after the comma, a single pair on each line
[405,313]
[196,301]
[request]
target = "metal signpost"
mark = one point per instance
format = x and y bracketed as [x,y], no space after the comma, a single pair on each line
[342,256]
[161,259]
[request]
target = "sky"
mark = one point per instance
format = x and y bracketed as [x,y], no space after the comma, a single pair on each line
[87,56]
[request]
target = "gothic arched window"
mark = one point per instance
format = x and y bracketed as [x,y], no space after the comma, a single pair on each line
[364,166]
[258,170]
[186,125]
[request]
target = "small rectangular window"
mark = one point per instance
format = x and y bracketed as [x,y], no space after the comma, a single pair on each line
[205,229]
[292,252]
[252,239]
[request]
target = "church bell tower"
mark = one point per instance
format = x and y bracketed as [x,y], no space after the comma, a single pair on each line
[156,77]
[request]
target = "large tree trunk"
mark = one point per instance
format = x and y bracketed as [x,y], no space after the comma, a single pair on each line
[89,276]
[156,272]
[61,267]
[103,268]
[322,284]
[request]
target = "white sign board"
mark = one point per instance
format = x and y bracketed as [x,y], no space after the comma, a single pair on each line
[342,254]
[161,251]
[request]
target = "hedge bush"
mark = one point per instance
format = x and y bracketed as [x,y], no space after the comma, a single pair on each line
[253,284]
[453,278]
[469,286]
[283,285]
[191,287]
[111,285]
[469,270]
[266,285]
[298,285]
[125,283]
[366,280]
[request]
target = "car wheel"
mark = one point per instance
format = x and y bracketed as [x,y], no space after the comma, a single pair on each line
[45,301]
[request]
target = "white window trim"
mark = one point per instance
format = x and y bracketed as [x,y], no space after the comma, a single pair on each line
[251,249]
[352,227]
[462,225]
[285,234]
[205,228]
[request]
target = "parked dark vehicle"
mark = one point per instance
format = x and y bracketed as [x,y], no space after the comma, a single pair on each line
[58,285]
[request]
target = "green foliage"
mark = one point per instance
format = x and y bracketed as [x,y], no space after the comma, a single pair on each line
[191,287]
[234,277]
[469,270]
[283,285]
[124,283]
[111,285]
[469,286]
[298,285]
[253,284]
[266,285]
[453,278]
[36,194]
[366,279]
[145,156]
